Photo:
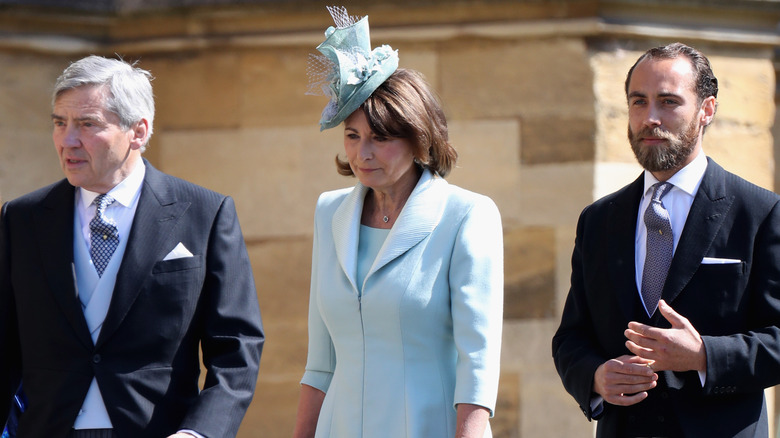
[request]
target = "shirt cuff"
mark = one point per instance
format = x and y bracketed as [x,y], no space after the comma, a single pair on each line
[191,432]
[596,406]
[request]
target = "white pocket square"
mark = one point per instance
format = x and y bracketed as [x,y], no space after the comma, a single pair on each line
[718,261]
[179,252]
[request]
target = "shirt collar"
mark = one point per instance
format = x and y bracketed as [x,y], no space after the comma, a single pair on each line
[686,179]
[124,193]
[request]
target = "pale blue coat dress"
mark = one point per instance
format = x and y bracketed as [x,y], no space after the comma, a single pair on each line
[423,332]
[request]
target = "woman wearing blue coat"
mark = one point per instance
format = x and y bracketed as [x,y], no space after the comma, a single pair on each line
[405,312]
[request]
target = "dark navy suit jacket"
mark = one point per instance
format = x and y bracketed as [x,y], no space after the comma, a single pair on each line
[735,307]
[162,312]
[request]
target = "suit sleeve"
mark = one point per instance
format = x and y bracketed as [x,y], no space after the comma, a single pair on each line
[477,296]
[9,337]
[232,334]
[321,358]
[575,355]
[750,361]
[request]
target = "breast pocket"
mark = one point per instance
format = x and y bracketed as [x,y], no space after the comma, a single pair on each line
[173,292]
[174,265]
[717,293]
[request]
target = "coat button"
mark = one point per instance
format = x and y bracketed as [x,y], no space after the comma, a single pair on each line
[96,358]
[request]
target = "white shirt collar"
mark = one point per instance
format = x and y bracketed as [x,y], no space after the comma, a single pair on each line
[124,193]
[686,179]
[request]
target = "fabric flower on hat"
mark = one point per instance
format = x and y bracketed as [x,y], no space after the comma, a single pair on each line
[348,71]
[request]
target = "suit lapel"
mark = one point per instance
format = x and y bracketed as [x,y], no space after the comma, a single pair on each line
[705,219]
[622,249]
[54,223]
[151,236]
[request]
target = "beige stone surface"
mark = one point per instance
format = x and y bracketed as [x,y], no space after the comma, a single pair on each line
[747,151]
[506,420]
[482,78]
[196,89]
[274,174]
[554,194]
[28,161]
[529,273]
[545,407]
[746,89]
[489,161]
[273,83]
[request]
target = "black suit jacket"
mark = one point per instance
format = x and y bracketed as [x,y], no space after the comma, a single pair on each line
[735,307]
[146,357]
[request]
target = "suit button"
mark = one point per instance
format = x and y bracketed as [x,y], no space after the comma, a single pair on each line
[661,419]
[664,395]
[96,358]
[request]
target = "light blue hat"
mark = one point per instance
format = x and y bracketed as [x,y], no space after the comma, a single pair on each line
[349,71]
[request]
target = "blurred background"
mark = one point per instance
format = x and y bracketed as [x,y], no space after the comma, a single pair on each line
[533,91]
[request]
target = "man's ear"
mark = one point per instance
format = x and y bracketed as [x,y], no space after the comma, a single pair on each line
[707,112]
[139,133]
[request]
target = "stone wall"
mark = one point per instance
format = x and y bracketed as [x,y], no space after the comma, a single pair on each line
[534,95]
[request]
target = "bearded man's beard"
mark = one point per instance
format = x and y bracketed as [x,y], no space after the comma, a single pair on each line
[664,157]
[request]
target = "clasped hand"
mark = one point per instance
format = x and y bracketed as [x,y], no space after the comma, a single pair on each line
[625,380]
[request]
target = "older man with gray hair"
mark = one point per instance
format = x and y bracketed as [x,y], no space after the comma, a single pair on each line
[114,280]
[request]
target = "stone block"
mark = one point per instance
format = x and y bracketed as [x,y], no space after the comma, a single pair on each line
[489,161]
[274,174]
[273,409]
[28,161]
[746,89]
[273,86]
[26,84]
[744,150]
[192,90]
[505,423]
[553,139]
[554,194]
[423,58]
[485,78]
[529,273]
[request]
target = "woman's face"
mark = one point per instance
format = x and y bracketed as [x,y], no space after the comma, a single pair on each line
[381,163]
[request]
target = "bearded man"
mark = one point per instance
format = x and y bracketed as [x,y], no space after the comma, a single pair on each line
[670,328]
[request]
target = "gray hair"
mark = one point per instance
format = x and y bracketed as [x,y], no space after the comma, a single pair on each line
[129,88]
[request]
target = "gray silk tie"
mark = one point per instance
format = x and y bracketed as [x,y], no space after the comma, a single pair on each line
[104,237]
[660,247]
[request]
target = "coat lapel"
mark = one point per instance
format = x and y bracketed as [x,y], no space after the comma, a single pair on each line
[54,223]
[622,223]
[417,219]
[151,235]
[346,228]
[705,219]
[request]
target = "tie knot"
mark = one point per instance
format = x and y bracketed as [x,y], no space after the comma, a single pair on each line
[660,189]
[103,201]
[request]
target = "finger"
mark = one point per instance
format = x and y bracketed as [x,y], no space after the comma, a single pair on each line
[627,399]
[641,351]
[669,313]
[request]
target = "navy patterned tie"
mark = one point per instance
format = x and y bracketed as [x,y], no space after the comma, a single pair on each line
[104,237]
[660,247]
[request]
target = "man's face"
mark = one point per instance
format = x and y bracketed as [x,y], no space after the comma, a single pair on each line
[95,152]
[665,119]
